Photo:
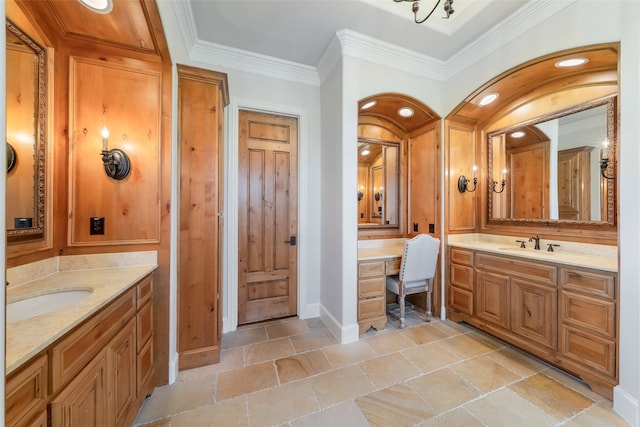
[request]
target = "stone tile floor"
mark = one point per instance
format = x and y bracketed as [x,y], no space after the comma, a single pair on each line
[294,373]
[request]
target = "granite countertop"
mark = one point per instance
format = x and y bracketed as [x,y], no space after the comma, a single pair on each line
[586,260]
[26,338]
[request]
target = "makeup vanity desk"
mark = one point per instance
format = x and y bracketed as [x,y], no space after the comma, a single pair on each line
[377,259]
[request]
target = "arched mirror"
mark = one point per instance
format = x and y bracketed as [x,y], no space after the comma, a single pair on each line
[26,136]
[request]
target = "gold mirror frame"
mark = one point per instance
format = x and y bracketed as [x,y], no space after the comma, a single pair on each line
[37,231]
[609,184]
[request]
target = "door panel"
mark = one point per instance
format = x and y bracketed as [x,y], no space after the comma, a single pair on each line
[267,217]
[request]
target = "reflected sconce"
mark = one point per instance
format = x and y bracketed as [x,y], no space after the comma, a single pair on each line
[502,183]
[604,160]
[378,196]
[360,194]
[116,162]
[463,181]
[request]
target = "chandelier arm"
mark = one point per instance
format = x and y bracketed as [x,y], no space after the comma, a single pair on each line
[415,13]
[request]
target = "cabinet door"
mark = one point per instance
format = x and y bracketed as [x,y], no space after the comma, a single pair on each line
[492,298]
[533,309]
[83,402]
[121,375]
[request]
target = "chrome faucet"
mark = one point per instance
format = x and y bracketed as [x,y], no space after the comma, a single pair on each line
[537,240]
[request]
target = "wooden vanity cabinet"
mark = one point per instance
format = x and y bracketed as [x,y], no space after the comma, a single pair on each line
[461,281]
[372,290]
[26,394]
[565,315]
[98,374]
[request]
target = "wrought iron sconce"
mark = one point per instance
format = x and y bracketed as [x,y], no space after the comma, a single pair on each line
[604,165]
[502,183]
[116,162]
[463,181]
[360,195]
[378,196]
[604,160]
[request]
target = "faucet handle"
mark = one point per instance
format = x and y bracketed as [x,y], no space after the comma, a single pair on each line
[522,243]
[551,245]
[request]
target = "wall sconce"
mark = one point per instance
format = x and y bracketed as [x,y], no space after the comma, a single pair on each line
[116,162]
[502,183]
[360,195]
[378,196]
[604,160]
[464,181]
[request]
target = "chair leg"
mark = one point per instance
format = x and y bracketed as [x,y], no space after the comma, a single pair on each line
[429,289]
[401,303]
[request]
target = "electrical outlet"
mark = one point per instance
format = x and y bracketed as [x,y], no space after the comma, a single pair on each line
[415,227]
[96,225]
[432,228]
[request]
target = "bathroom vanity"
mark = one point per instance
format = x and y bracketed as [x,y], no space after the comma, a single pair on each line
[559,306]
[91,361]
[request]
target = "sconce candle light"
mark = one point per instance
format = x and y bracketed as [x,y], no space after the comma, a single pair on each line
[463,181]
[116,162]
[604,160]
[502,183]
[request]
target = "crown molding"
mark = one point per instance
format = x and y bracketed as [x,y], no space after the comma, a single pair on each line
[184,16]
[331,56]
[382,53]
[250,62]
[522,20]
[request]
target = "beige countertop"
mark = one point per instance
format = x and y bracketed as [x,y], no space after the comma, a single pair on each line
[574,259]
[26,338]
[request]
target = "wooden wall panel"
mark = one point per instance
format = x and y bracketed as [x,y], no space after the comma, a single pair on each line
[460,157]
[424,181]
[126,101]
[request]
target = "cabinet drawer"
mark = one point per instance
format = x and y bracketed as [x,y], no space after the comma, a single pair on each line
[588,349]
[144,290]
[371,308]
[461,256]
[371,288]
[26,392]
[585,312]
[461,300]
[462,276]
[371,269]
[75,350]
[592,282]
[144,325]
[542,273]
[393,266]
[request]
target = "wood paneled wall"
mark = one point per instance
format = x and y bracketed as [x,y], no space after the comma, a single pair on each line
[460,157]
[105,72]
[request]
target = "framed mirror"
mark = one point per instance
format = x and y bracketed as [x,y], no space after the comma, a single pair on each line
[558,167]
[26,135]
[378,184]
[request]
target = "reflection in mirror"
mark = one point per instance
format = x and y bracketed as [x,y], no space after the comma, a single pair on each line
[378,184]
[551,167]
[25,109]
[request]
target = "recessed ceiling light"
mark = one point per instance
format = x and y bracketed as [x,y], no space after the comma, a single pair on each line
[571,62]
[518,134]
[98,6]
[364,152]
[488,99]
[369,104]
[405,112]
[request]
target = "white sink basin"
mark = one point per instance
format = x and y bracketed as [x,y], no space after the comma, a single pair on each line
[45,303]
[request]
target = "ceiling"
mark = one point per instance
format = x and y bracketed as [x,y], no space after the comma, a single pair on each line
[301,30]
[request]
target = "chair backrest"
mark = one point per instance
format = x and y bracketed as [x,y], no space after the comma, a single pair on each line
[419,258]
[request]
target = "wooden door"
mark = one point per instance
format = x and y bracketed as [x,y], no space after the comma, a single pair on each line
[529,186]
[492,298]
[267,217]
[574,184]
[533,312]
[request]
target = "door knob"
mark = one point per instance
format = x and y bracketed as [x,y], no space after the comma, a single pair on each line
[292,241]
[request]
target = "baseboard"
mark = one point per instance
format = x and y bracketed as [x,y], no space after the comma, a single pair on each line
[345,334]
[626,406]
[173,369]
[310,311]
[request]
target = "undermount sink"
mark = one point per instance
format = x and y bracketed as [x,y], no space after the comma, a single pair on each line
[46,303]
